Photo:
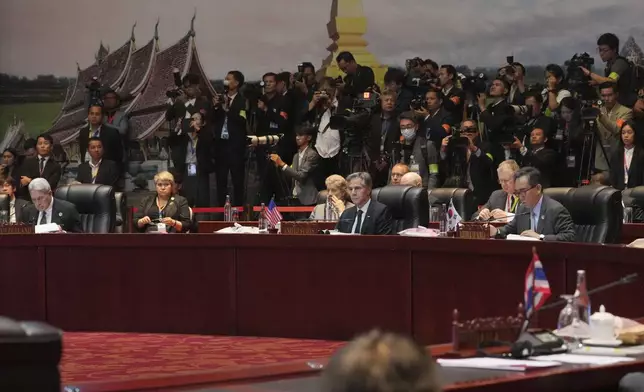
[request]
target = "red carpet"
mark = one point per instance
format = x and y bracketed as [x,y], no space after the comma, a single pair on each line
[119,357]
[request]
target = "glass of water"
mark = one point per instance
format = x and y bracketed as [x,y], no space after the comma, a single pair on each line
[4,216]
[434,214]
[628,214]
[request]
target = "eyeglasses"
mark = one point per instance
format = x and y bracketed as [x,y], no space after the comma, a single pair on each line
[603,50]
[522,192]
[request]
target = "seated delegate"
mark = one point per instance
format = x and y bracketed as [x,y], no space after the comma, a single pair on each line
[502,201]
[366,216]
[47,209]
[538,216]
[337,199]
[163,211]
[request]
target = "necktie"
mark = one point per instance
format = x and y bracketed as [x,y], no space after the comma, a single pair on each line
[43,218]
[358,222]
[535,220]
[41,166]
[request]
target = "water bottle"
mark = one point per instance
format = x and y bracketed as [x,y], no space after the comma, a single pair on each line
[262,222]
[413,165]
[442,221]
[228,210]
[582,300]
[235,215]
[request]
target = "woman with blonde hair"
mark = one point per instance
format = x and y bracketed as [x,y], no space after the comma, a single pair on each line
[337,199]
[163,211]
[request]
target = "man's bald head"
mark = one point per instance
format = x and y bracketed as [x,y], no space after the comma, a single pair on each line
[411,179]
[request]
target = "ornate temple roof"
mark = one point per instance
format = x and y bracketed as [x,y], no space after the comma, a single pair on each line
[632,51]
[139,71]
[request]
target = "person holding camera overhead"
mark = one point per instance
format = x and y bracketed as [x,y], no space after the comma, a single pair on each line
[191,141]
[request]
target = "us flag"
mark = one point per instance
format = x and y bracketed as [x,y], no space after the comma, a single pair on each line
[272,214]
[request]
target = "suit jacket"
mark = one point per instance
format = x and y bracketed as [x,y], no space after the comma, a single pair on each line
[31,168]
[204,151]
[119,120]
[112,143]
[434,126]
[236,115]
[374,138]
[497,200]
[545,160]
[555,222]
[303,174]
[19,208]
[108,173]
[176,209]
[378,220]
[610,133]
[635,171]
[63,213]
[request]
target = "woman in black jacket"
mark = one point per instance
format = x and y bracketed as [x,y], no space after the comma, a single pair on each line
[163,211]
[627,162]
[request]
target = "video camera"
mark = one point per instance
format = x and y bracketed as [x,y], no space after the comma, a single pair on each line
[299,75]
[416,76]
[95,89]
[174,93]
[578,82]
[474,85]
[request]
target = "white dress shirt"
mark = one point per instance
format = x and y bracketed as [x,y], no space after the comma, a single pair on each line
[364,209]
[628,158]
[12,211]
[94,169]
[49,212]
[328,141]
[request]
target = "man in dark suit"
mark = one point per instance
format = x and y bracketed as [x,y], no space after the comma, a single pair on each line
[437,121]
[47,209]
[98,170]
[40,166]
[502,201]
[358,78]
[230,139]
[538,216]
[16,206]
[383,134]
[112,144]
[305,163]
[366,216]
[539,156]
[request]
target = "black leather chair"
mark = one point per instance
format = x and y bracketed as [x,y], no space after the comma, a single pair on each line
[596,211]
[121,211]
[4,202]
[463,200]
[96,205]
[634,198]
[29,355]
[408,205]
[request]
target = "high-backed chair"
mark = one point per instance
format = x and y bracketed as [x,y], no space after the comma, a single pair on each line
[634,198]
[463,200]
[408,205]
[596,211]
[4,202]
[95,204]
[29,355]
[120,200]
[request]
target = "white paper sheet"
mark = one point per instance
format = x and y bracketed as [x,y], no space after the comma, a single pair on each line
[498,364]
[584,359]
[515,237]
[47,228]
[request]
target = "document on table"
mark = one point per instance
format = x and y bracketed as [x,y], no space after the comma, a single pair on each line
[514,365]
[515,237]
[584,359]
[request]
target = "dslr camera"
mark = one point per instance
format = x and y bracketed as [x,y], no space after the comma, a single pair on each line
[174,93]
[474,85]
[95,89]
[355,121]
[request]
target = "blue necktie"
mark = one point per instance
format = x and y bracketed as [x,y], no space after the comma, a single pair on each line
[535,220]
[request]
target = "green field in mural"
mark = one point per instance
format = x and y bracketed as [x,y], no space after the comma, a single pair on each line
[37,116]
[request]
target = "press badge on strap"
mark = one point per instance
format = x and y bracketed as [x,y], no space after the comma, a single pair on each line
[192,169]
[570,161]
[161,228]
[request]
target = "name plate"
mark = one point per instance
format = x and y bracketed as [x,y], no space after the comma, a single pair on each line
[474,230]
[16,228]
[306,227]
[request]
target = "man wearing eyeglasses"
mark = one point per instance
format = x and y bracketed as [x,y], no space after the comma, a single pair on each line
[538,216]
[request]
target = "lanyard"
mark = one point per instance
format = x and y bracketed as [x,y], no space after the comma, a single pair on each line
[161,208]
[192,144]
[511,204]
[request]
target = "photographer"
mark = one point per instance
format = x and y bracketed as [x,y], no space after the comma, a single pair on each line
[394,83]
[618,69]
[454,101]
[467,163]
[293,103]
[416,151]
[358,78]
[305,80]
[568,143]
[554,92]
[436,121]
[611,116]
[383,132]
[535,117]
[514,74]
[498,118]
[538,155]
[229,123]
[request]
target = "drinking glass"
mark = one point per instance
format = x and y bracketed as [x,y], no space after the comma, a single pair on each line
[569,314]
[434,213]
[628,214]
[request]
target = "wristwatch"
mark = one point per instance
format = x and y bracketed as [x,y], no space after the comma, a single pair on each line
[542,237]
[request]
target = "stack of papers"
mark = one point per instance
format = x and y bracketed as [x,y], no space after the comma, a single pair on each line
[515,237]
[498,364]
[584,359]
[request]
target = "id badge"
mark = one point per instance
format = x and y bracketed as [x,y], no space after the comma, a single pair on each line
[273,125]
[570,161]
[192,169]
[161,228]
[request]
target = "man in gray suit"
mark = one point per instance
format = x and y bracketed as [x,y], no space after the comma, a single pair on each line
[305,162]
[538,216]
[502,201]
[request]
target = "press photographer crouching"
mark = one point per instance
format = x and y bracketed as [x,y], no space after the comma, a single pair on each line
[454,97]
[383,133]
[466,162]
[416,151]
[305,163]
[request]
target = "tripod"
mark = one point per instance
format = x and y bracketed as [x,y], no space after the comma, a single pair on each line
[588,151]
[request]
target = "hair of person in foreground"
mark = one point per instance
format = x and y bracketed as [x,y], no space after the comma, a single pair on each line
[381,362]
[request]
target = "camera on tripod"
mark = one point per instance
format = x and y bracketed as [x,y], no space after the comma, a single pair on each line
[475,84]
[578,82]
[95,89]
[174,93]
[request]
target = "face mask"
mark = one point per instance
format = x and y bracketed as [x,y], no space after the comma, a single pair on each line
[226,83]
[408,134]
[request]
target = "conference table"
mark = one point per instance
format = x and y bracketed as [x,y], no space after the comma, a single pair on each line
[299,286]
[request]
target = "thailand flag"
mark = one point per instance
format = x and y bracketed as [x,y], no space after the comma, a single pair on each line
[272,214]
[537,288]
